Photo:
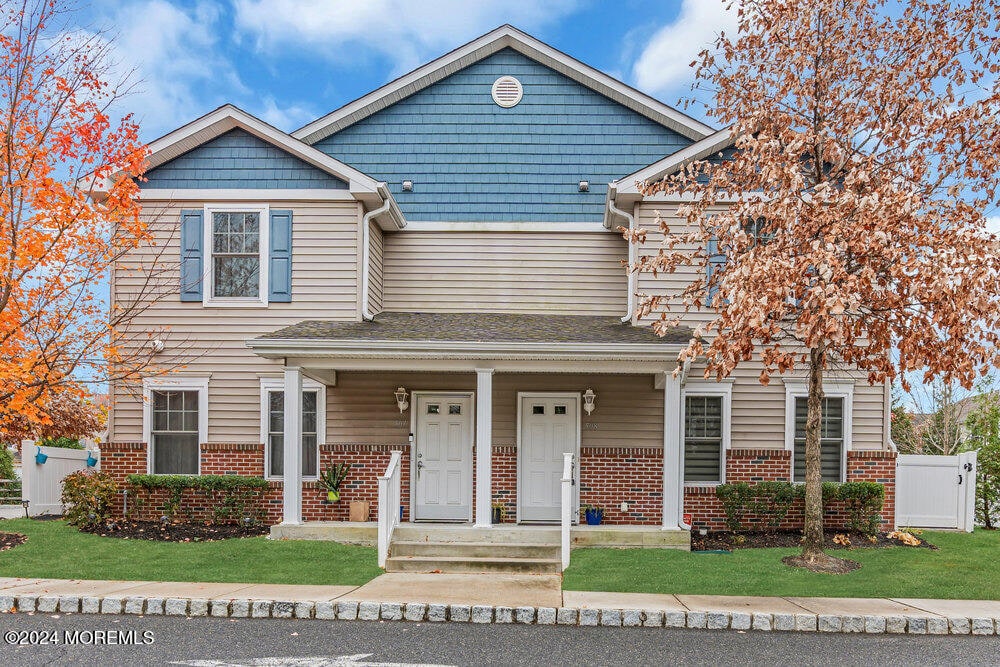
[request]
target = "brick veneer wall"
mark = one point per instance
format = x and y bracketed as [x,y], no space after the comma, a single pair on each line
[611,475]
[608,476]
[747,465]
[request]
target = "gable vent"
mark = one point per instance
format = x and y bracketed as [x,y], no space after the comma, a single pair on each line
[507,91]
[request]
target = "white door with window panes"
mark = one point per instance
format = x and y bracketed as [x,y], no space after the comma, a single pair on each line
[550,428]
[442,457]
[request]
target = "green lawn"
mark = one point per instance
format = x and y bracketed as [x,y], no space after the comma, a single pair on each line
[967,566]
[55,550]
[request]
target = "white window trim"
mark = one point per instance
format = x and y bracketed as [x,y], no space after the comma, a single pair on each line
[725,390]
[268,385]
[210,301]
[149,385]
[831,389]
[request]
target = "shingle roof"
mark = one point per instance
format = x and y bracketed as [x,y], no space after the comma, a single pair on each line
[480,327]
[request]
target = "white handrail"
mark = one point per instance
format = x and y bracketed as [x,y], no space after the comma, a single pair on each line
[568,480]
[388,505]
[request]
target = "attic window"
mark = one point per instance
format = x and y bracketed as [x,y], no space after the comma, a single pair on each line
[507,91]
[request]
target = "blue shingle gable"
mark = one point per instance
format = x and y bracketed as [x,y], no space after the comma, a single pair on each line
[471,160]
[238,159]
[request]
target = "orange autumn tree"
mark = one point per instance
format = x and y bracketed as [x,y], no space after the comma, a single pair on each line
[58,237]
[850,214]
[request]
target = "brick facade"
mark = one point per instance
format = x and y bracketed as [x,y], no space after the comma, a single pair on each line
[747,465]
[608,477]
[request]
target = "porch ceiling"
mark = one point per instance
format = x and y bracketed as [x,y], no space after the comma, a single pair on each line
[480,336]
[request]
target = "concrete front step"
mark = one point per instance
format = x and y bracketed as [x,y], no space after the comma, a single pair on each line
[498,534]
[462,564]
[474,549]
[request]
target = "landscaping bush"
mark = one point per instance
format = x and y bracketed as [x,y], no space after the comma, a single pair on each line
[863,501]
[87,497]
[6,463]
[232,497]
[988,486]
[766,504]
[62,442]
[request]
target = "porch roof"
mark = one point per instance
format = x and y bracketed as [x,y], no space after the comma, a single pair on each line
[481,335]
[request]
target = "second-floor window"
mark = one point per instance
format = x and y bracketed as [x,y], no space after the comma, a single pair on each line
[236,260]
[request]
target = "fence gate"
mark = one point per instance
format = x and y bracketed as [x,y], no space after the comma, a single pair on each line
[936,491]
[42,482]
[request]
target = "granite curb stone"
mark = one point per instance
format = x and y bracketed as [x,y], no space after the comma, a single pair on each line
[415,612]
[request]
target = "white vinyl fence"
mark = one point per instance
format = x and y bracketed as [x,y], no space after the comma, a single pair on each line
[41,483]
[936,491]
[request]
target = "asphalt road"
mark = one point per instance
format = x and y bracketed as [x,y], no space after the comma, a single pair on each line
[208,641]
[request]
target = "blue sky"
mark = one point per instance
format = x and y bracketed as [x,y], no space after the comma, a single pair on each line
[291,61]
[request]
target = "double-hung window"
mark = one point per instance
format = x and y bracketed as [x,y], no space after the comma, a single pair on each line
[835,429]
[237,240]
[273,426]
[706,433]
[175,423]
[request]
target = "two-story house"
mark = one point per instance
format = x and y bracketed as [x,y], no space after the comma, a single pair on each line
[434,269]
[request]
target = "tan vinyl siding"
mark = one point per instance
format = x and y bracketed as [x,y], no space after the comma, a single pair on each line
[508,272]
[211,341]
[758,412]
[629,413]
[375,263]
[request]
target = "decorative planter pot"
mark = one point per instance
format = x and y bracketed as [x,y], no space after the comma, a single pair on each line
[594,517]
[359,510]
[333,496]
[497,515]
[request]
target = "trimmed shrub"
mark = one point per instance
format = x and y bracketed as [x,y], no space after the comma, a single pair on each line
[232,497]
[988,486]
[863,501]
[87,497]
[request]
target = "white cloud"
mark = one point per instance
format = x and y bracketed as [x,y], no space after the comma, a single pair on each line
[405,32]
[286,118]
[993,224]
[664,64]
[179,73]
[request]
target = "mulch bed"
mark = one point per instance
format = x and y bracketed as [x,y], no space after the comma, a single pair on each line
[791,538]
[176,532]
[11,540]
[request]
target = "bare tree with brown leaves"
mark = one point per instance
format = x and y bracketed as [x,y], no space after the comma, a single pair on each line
[867,137]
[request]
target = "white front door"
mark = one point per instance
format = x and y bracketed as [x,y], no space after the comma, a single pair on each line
[442,458]
[550,427]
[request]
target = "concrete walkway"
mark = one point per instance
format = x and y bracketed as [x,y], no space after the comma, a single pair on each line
[492,598]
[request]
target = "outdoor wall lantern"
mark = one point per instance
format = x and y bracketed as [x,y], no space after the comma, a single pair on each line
[588,400]
[401,399]
[584,186]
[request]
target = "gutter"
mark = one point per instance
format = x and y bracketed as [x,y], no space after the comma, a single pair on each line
[632,251]
[383,191]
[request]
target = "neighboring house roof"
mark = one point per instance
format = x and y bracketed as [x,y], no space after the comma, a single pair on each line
[714,143]
[505,36]
[472,332]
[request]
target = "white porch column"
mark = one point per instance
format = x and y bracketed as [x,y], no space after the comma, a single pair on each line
[292,475]
[484,446]
[673,453]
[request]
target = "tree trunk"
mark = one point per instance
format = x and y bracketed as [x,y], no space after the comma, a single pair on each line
[812,545]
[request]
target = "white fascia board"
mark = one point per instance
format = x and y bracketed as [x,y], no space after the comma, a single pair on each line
[425,226]
[228,117]
[375,349]
[503,37]
[713,143]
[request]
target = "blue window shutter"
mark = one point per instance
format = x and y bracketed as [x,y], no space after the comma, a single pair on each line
[279,269]
[192,234]
[716,263]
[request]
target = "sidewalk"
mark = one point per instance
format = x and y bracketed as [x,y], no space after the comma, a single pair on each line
[477,598]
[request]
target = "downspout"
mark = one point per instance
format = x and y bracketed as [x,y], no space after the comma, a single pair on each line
[366,251]
[632,251]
